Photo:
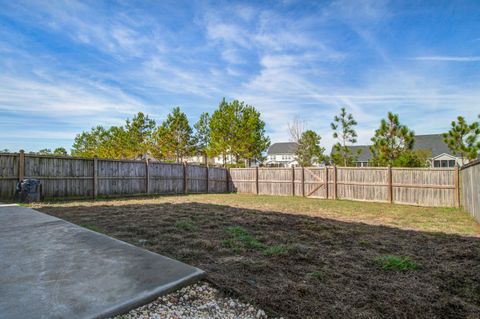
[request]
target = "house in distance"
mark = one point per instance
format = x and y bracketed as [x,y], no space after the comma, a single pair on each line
[440,154]
[282,155]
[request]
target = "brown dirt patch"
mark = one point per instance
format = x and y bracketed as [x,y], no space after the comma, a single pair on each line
[299,266]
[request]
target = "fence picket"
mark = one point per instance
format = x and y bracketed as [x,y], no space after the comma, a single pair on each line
[73,177]
[416,186]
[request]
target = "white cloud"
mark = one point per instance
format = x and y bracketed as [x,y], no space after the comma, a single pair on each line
[448,58]
[287,64]
[70,102]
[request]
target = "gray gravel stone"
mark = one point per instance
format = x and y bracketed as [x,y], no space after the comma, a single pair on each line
[198,301]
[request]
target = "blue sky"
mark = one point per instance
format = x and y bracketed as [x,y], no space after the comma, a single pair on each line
[66,66]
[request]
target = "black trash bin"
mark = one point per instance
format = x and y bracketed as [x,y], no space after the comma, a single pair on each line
[28,191]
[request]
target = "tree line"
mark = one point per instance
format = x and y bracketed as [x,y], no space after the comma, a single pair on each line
[233,130]
[392,144]
[59,151]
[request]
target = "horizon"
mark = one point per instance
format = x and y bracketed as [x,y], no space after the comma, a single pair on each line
[68,66]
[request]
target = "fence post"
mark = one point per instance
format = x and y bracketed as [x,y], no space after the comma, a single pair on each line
[147,176]
[303,181]
[293,180]
[21,165]
[326,182]
[227,178]
[95,177]
[208,176]
[390,184]
[256,180]
[456,179]
[335,196]
[185,178]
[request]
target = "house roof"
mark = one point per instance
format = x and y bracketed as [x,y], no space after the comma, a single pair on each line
[432,142]
[364,154]
[282,148]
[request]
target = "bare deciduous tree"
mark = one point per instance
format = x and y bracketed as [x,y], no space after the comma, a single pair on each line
[296,129]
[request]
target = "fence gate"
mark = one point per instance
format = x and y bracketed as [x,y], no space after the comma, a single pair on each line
[315,182]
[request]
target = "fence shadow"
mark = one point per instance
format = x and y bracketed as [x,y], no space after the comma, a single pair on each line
[301,266]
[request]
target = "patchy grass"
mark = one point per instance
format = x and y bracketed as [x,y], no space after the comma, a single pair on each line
[186,224]
[397,263]
[320,274]
[240,239]
[275,250]
[430,219]
[307,258]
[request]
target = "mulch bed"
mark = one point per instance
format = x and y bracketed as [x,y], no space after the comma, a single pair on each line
[299,266]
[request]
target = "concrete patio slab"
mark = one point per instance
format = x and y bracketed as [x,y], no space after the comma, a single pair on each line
[50,268]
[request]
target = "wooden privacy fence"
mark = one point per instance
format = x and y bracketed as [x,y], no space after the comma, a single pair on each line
[70,177]
[417,186]
[470,177]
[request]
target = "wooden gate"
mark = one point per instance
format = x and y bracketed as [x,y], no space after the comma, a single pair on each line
[315,182]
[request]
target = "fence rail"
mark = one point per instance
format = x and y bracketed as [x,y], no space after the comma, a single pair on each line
[73,177]
[470,179]
[416,186]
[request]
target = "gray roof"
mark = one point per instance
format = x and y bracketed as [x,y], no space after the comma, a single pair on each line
[282,148]
[364,152]
[432,142]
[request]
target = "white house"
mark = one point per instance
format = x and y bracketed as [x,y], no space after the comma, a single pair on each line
[216,161]
[282,155]
[441,155]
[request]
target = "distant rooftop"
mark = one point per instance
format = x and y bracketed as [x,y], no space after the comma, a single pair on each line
[282,148]
[432,142]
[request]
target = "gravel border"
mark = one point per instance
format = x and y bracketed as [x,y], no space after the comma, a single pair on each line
[198,301]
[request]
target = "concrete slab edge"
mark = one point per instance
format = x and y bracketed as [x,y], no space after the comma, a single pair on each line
[149,296]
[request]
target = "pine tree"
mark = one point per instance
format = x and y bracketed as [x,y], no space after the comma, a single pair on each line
[131,141]
[138,138]
[255,141]
[60,151]
[346,135]
[91,144]
[463,139]
[391,141]
[202,135]
[309,149]
[45,151]
[220,130]
[237,130]
[173,139]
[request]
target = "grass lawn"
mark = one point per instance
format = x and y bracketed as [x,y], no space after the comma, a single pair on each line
[307,258]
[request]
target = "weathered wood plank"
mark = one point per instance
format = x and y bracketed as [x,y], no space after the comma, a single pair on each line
[470,187]
[426,187]
[73,177]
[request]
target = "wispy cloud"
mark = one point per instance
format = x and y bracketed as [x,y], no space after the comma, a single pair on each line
[448,58]
[65,66]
